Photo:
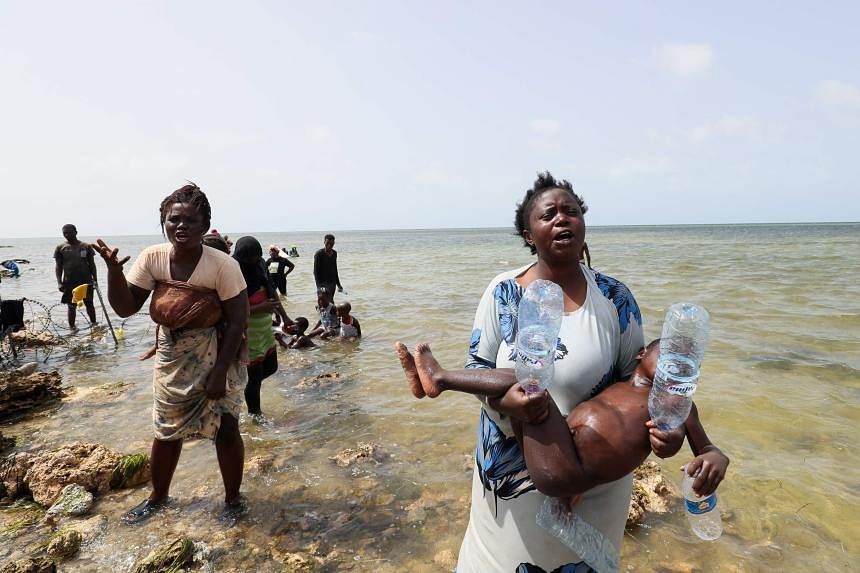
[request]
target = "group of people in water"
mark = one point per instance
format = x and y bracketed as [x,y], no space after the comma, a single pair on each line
[219,319]
[216,344]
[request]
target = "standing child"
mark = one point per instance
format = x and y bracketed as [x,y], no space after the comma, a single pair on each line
[350,329]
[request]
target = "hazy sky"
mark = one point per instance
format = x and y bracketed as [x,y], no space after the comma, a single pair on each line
[371,114]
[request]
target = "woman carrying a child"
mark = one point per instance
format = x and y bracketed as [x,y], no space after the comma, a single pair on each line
[200,303]
[600,336]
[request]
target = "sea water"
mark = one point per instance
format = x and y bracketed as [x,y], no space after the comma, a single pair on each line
[785,353]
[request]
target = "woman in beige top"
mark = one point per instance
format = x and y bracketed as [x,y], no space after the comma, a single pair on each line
[201,306]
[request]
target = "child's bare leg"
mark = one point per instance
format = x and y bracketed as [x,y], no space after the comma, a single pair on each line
[408,364]
[480,381]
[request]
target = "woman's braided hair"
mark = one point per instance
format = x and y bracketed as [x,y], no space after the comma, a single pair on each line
[189,194]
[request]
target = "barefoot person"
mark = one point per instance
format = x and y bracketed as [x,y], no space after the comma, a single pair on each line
[74,267]
[600,336]
[200,302]
[609,437]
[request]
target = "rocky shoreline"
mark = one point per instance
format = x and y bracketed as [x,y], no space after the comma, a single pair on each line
[49,495]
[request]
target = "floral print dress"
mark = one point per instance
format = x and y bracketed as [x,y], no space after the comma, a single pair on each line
[597,345]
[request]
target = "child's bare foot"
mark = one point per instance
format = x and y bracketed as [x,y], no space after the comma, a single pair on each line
[408,364]
[427,367]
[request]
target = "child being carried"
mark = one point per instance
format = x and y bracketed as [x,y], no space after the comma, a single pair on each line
[601,440]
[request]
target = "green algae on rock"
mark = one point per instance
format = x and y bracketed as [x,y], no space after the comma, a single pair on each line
[168,558]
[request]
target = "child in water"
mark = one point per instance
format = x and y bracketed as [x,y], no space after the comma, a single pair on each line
[328,324]
[609,431]
[350,329]
[299,339]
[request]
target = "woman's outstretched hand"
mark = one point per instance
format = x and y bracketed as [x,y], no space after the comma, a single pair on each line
[110,255]
[530,409]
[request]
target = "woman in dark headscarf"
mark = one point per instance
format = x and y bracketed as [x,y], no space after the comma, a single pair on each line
[262,355]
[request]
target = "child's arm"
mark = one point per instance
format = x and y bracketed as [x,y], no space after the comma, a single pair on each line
[280,338]
[665,443]
[710,461]
[357,326]
[281,312]
[316,329]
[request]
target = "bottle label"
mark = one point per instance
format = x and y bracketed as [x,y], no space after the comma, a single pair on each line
[531,360]
[701,506]
[687,389]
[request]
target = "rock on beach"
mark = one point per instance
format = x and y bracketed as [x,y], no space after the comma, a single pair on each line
[92,466]
[651,493]
[22,392]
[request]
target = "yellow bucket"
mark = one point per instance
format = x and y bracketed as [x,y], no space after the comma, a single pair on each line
[79,293]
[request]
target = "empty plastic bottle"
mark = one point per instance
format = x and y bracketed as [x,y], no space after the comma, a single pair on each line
[538,322]
[570,528]
[702,512]
[686,330]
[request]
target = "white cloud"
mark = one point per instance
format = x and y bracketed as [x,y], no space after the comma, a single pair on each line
[685,60]
[639,166]
[725,127]
[839,94]
[545,134]
[319,135]
[728,126]
[840,100]
[545,127]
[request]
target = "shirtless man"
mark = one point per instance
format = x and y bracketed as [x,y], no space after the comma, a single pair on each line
[609,437]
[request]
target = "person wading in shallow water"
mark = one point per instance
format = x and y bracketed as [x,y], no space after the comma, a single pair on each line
[75,266]
[600,336]
[325,267]
[200,302]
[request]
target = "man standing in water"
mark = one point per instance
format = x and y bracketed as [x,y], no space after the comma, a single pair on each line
[75,266]
[325,267]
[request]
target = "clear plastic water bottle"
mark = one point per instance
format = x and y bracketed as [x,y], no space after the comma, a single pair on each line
[702,512]
[535,364]
[538,322]
[587,541]
[686,331]
[542,305]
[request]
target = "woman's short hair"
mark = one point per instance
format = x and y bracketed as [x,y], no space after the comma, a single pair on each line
[544,182]
[189,194]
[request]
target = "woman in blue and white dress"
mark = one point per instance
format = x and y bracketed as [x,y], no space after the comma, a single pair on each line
[600,335]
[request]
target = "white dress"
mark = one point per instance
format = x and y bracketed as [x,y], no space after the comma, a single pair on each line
[597,345]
